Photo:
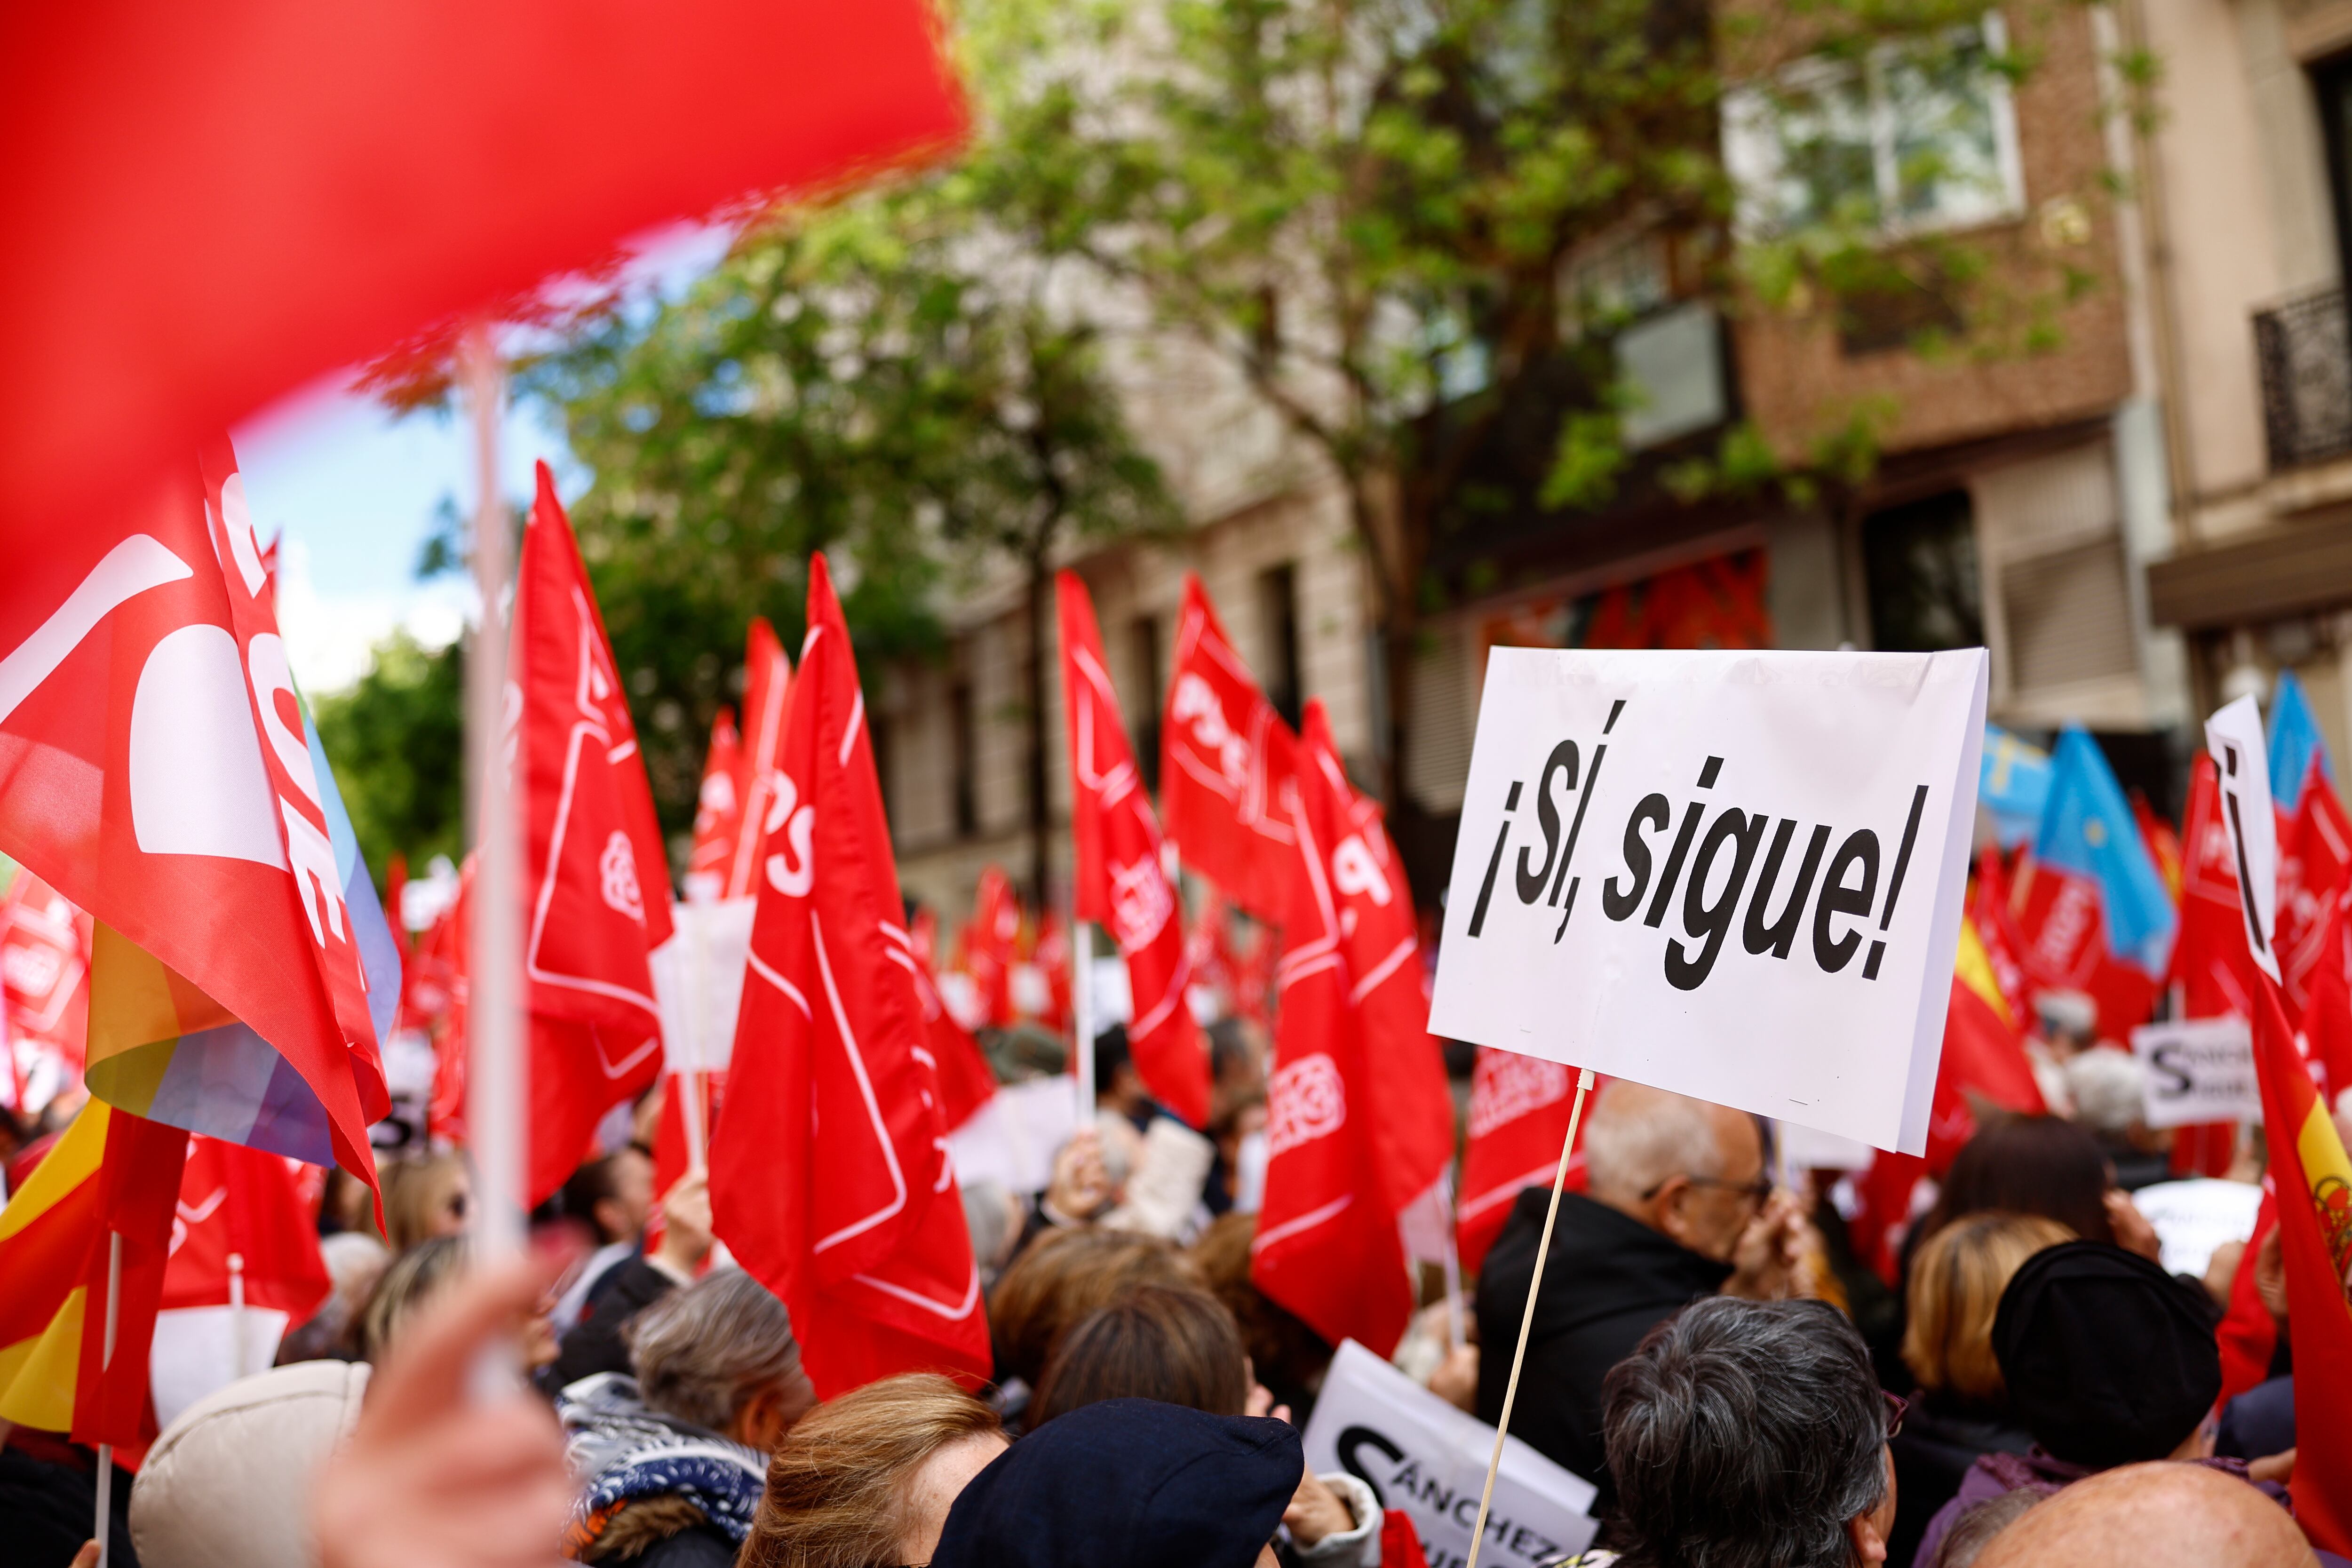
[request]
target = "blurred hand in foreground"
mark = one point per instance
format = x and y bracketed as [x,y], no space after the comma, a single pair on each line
[436,1474]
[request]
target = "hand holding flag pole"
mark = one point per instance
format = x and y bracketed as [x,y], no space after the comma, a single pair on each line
[1528,1318]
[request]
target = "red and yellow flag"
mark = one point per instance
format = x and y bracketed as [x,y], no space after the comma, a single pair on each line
[111,1174]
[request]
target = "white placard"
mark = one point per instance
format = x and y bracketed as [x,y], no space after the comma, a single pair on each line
[2234,736]
[699,982]
[1734,875]
[1429,1459]
[2198,1069]
[2193,1218]
[1012,1138]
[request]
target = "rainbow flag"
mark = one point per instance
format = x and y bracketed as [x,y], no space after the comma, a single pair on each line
[110,1175]
[160,1048]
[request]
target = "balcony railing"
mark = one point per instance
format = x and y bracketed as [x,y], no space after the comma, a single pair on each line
[2304,348]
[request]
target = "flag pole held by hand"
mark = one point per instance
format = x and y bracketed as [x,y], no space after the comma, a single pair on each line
[106,1363]
[1528,1318]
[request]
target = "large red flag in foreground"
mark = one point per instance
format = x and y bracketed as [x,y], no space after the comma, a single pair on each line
[336,178]
[1359,1124]
[113,1174]
[155,770]
[2314,1199]
[1226,757]
[865,1243]
[596,894]
[1120,879]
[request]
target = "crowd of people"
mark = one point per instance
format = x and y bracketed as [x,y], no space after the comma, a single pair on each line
[1704,1347]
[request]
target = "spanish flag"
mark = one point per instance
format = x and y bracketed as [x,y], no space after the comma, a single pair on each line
[2313,1182]
[112,1175]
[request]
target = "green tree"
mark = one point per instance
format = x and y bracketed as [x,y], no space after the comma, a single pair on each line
[886,378]
[396,739]
[1374,211]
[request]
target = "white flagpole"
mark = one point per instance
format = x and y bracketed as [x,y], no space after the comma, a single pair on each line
[1082,1007]
[106,1363]
[1456,1331]
[236,1313]
[689,1082]
[495,1088]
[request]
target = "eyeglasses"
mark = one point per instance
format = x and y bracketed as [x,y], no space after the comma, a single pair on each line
[1754,1192]
[1897,1407]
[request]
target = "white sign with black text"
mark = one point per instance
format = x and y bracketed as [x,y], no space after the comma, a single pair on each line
[1428,1459]
[2198,1069]
[2233,738]
[1777,846]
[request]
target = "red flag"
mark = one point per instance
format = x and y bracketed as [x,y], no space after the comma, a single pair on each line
[596,894]
[1359,1124]
[2315,853]
[2313,1177]
[2248,1333]
[2059,913]
[2210,961]
[154,764]
[452,939]
[991,944]
[1120,877]
[111,1174]
[718,812]
[337,183]
[1052,958]
[2327,1014]
[242,1202]
[866,1246]
[44,973]
[1997,930]
[1518,1117]
[1225,759]
[2163,844]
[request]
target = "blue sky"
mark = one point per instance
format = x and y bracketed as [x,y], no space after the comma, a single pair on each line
[355,492]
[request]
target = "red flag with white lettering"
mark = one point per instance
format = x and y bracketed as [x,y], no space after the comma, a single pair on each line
[596,891]
[718,811]
[1359,1124]
[866,1246]
[1518,1118]
[991,943]
[44,981]
[2315,855]
[1120,879]
[153,770]
[1225,759]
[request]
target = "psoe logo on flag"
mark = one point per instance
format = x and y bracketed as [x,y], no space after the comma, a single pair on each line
[1305,1100]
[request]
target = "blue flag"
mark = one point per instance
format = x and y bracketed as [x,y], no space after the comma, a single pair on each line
[2014,785]
[2295,742]
[2088,830]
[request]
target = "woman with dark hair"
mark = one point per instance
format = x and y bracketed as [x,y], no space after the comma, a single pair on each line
[1178,1345]
[2041,1165]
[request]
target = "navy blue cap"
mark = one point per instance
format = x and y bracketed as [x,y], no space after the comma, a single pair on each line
[1130,1481]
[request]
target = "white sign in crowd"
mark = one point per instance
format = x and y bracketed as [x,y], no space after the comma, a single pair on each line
[1734,875]
[1426,1458]
[2198,1069]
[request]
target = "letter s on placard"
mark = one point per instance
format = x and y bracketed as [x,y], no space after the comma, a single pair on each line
[799,823]
[1654,811]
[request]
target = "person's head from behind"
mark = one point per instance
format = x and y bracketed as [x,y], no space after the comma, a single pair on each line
[719,1354]
[612,1195]
[2109,1360]
[2043,1165]
[1958,1276]
[1130,1481]
[423,1197]
[2153,1516]
[866,1480]
[1175,1344]
[1118,1086]
[1061,1278]
[1750,1435]
[1690,1170]
[1289,1357]
[412,1278]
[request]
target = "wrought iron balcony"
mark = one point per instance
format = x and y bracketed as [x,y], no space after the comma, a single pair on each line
[2304,348]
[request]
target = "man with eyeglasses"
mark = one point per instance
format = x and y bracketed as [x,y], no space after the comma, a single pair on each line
[1677,1206]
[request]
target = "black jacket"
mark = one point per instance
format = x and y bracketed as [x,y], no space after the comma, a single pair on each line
[595,1343]
[1610,1279]
[1940,1440]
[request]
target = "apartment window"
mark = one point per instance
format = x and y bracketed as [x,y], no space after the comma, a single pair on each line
[1919,562]
[1143,648]
[964,746]
[1277,597]
[1913,138]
